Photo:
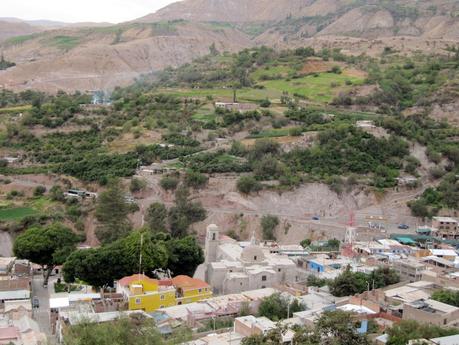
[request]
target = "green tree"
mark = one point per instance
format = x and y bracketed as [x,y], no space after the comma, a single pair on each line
[185,255]
[46,246]
[112,213]
[184,213]
[56,193]
[248,184]
[156,217]
[276,307]
[101,266]
[269,224]
[169,182]
[137,185]
[349,283]
[132,330]
[406,330]
[305,243]
[39,191]
[447,296]
[195,180]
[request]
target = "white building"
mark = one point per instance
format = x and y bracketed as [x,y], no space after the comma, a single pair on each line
[232,267]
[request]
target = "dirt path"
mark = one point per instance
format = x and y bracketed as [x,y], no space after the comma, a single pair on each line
[6,244]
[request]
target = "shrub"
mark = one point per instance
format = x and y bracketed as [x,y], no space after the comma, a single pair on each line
[248,184]
[137,185]
[268,225]
[266,103]
[195,180]
[39,191]
[169,182]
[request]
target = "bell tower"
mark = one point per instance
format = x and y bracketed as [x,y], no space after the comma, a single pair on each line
[212,242]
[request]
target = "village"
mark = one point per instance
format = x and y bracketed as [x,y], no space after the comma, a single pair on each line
[221,303]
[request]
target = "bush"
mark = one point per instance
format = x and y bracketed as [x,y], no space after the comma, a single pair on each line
[39,191]
[268,225]
[195,180]
[248,184]
[169,182]
[137,185]
[266,103]
[336,70]
[295,132]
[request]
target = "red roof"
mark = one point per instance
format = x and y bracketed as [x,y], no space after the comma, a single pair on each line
[126,281]
[188,283]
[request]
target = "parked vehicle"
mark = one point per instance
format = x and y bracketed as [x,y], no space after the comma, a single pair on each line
[35,302]
[403,226]
[316,218]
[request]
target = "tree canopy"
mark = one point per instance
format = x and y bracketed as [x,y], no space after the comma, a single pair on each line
[101,266]
[47,246]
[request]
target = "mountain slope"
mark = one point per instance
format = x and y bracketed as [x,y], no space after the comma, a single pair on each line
[102,58]
[10,29]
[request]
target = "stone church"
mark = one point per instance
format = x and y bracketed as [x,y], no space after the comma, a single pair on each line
[233,267]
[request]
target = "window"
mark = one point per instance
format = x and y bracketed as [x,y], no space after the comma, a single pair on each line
[263,287]
[199,290]
[206,289]
[278,270]
[255,258]
[138,301]
[162,297]
[263,278]
[213,236]
[161,307]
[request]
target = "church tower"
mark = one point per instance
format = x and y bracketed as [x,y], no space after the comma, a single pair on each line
[212,242]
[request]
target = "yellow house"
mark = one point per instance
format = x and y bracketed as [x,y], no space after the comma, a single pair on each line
[144,293]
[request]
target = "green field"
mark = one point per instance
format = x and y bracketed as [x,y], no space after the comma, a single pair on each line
[17,109]
[16,213]
[321,88]
[65,42]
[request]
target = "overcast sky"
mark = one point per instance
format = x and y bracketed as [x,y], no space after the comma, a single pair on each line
[113,11]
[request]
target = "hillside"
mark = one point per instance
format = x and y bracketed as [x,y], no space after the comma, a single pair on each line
[102,58]
[88,58]
[324,17]
[10,29]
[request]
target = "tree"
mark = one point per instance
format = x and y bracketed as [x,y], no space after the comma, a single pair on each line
[406,330]
[101,266]
[39,191]
[185,255]
[184,213]
[169,182]
[276,307]
[305,243]
[56,193]
[349,283]
[248,184]
[132,330]
[268,225]
[195,180]
[447,296]
[137,185]
[383,276]
[156,217]
[112,213]
[46,246]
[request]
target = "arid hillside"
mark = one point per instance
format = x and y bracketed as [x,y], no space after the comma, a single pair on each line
[11,29]
[102,58]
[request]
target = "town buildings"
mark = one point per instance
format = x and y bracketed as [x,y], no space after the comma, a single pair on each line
[144,293]
[233,267]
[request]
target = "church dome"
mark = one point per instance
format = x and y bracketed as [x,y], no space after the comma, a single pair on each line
[252,254]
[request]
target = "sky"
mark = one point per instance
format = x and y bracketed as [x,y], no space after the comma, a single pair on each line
[113,11]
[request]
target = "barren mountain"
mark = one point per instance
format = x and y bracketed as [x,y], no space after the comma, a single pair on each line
[10,29]
[102,58]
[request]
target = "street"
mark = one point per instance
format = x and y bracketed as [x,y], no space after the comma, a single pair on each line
[42,314]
